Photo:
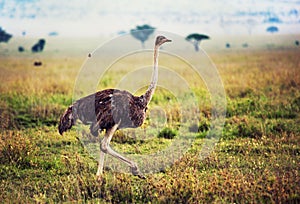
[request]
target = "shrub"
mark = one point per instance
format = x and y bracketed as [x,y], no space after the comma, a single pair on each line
[167,133]
[203,126]
[121,138]
[16,149]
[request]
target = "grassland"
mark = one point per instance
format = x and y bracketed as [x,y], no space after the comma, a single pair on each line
[256,160]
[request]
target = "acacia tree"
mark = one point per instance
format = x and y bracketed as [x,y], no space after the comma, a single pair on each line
[4,36]
[272,29]
[195,39]
[39,46]
[142,33]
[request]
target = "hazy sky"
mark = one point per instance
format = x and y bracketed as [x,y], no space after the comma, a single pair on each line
[107,17]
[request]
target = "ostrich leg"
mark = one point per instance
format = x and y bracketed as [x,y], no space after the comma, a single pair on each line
[100,165]
[106,149]
[105,141]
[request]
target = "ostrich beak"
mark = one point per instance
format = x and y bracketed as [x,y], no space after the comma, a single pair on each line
[168,40]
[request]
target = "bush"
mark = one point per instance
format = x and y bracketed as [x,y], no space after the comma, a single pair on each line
[16,149]
[203,126]
[167,133]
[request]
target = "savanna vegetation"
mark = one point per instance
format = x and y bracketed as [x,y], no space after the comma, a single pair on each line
[255,161]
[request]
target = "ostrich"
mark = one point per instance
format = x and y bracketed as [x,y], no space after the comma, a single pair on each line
[112,109]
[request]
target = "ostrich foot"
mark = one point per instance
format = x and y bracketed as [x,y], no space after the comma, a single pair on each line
[135,171]
[99,178]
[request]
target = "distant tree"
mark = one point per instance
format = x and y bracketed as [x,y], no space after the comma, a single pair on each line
[53,33]
[4,36]
[196,38]
[245,45]
[227,45]
[39,46]
[272,29]
[142,33]
[121,32]
[21,49]
[272,20]
[297,42]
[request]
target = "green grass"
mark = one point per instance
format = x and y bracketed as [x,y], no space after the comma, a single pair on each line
[47,167]
[256,160]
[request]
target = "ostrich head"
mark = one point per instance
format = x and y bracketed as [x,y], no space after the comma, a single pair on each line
[161,40]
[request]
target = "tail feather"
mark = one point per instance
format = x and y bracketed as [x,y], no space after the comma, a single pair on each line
[67,120]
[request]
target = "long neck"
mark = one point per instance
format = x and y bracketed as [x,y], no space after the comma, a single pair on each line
[150,91]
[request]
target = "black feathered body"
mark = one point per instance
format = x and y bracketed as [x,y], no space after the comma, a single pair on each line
[104,109]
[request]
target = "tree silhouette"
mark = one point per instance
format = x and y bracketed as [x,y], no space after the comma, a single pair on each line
[142,33]
[21,49]
[4,36]
[272,29]
[39,46]
[195,39]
